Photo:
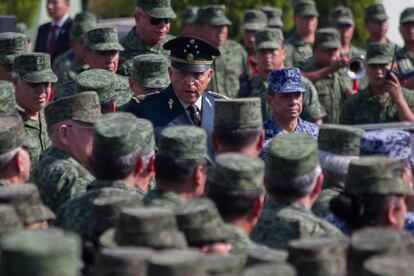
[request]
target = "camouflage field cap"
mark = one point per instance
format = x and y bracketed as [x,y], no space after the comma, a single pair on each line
[372,241]
[157,9]
[128,261]
[22,28]
[237,113]
[265,255]
[304,8]
[102,39]
[118,134]
[277,269]
[34,67]
[274,17]
[47,253]
[151,71]
[215,264]
[26,199]
[188,16]
[9,219]
[291,155]
[12,44]
[327,38]
[340,139]
[213,15]
[379,53]
[375,12]
[7,97]
[269,39]
[237,172]
[82,23]
[201,222]
[176,263]
[389,266]
[99,80]
[12,133]
[407,15]
[145,227]
[341,16]
[318,256]
[106,211]
[286,80]
[183,142]
[376,175]
[83,107]
[392,143]
[254,20]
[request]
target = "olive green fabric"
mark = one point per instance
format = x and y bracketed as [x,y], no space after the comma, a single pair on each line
[327,38]
[269,39]
[237,113]
[176,263]
[389,266]
[339,139]
[99,80]
[254,19]
[9,219]
[11,45]
[379,53]
[213,15]
[34,67]
[157,9]
[375,12]
[102,39]
[12,133]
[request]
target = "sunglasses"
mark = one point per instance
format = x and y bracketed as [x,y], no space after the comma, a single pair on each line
[157,21]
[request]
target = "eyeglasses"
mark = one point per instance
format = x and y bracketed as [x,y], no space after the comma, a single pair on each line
[157,21]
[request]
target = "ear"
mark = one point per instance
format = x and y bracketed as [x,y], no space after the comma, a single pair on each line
[139,166]
[199,179]
[170,72]
[214,142]
[318,186]
[260,141]
[112,107]
[62,134]
[390,213]
[17,162]
[257,207]
[151,165]
[209,74]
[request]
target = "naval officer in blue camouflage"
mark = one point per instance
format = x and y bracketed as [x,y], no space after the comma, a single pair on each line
[184,101]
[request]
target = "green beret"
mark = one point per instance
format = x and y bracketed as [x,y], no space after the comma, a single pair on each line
[183,142]
[213,15]
[340,139]
[157,9]
[102,39]
[291,155]
[238,113]
[34,67]
[83,107]
[238,172]
[151,71]
[118,134]
[99,80]
[376,175]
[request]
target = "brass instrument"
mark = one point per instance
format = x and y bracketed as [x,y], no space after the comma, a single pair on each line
[355,68]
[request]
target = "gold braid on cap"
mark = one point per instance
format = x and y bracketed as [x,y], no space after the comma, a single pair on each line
[196,62]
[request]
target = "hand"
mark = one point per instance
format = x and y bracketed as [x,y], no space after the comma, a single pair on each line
[393,87]
[338,64]
[349,92]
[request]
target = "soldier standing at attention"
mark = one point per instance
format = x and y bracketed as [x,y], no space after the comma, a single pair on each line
[101,49]
[383,100]
[285,95]
[376,23]
[299,45]
[213,26]
[14,155]
[293,182]
[32,78]
[188,18]
[405,56]
[152,24]
[62,173]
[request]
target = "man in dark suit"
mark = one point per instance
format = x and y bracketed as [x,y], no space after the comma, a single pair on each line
[184,101]
[53,37]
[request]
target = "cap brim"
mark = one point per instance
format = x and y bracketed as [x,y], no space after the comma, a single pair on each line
[407,19]
[345,21]
[161,13]
[379,60]
[40,76]
[275,23]
[107,47]
[377,18]
[159,84]
[38,213]
[220,22]
[186,67]
[253,27]
[268,45]
[329,45]
[308,13]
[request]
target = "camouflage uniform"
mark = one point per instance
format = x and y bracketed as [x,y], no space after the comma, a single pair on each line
[7,101]
[34,68]
[112,139]
[405,59]
[10,220]
[240,241]
[134,45]
[59,176]
[297,50]
[177,262]
[282,220]
[332,88]
[162,198]
[274,17]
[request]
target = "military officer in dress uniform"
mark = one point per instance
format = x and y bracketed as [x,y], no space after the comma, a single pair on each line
[184,101]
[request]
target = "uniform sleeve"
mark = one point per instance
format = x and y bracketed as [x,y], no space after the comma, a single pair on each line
[346,115]
[312,108]
[409,98]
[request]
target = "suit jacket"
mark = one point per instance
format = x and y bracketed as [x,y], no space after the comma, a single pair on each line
[164,109]
[62,43]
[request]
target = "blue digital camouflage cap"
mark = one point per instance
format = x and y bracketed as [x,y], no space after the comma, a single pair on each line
[392,143]
[286,80]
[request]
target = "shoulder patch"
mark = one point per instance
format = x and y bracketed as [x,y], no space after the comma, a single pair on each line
[217,95]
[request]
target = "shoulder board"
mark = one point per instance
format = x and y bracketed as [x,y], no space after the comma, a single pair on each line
[143,98]
[217,95]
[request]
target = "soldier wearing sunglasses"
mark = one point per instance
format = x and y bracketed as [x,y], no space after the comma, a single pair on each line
[152,24]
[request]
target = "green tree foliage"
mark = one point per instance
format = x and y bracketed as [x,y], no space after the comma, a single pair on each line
[24,10]
[235,11]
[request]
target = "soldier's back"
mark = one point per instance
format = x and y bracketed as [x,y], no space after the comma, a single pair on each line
[162,198]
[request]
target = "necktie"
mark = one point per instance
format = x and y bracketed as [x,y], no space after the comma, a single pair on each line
[52,40]
[194,114]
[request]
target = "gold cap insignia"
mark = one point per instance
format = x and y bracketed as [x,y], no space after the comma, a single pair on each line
[190,57]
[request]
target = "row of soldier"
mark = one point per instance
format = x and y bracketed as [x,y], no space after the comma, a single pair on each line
[87,167]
